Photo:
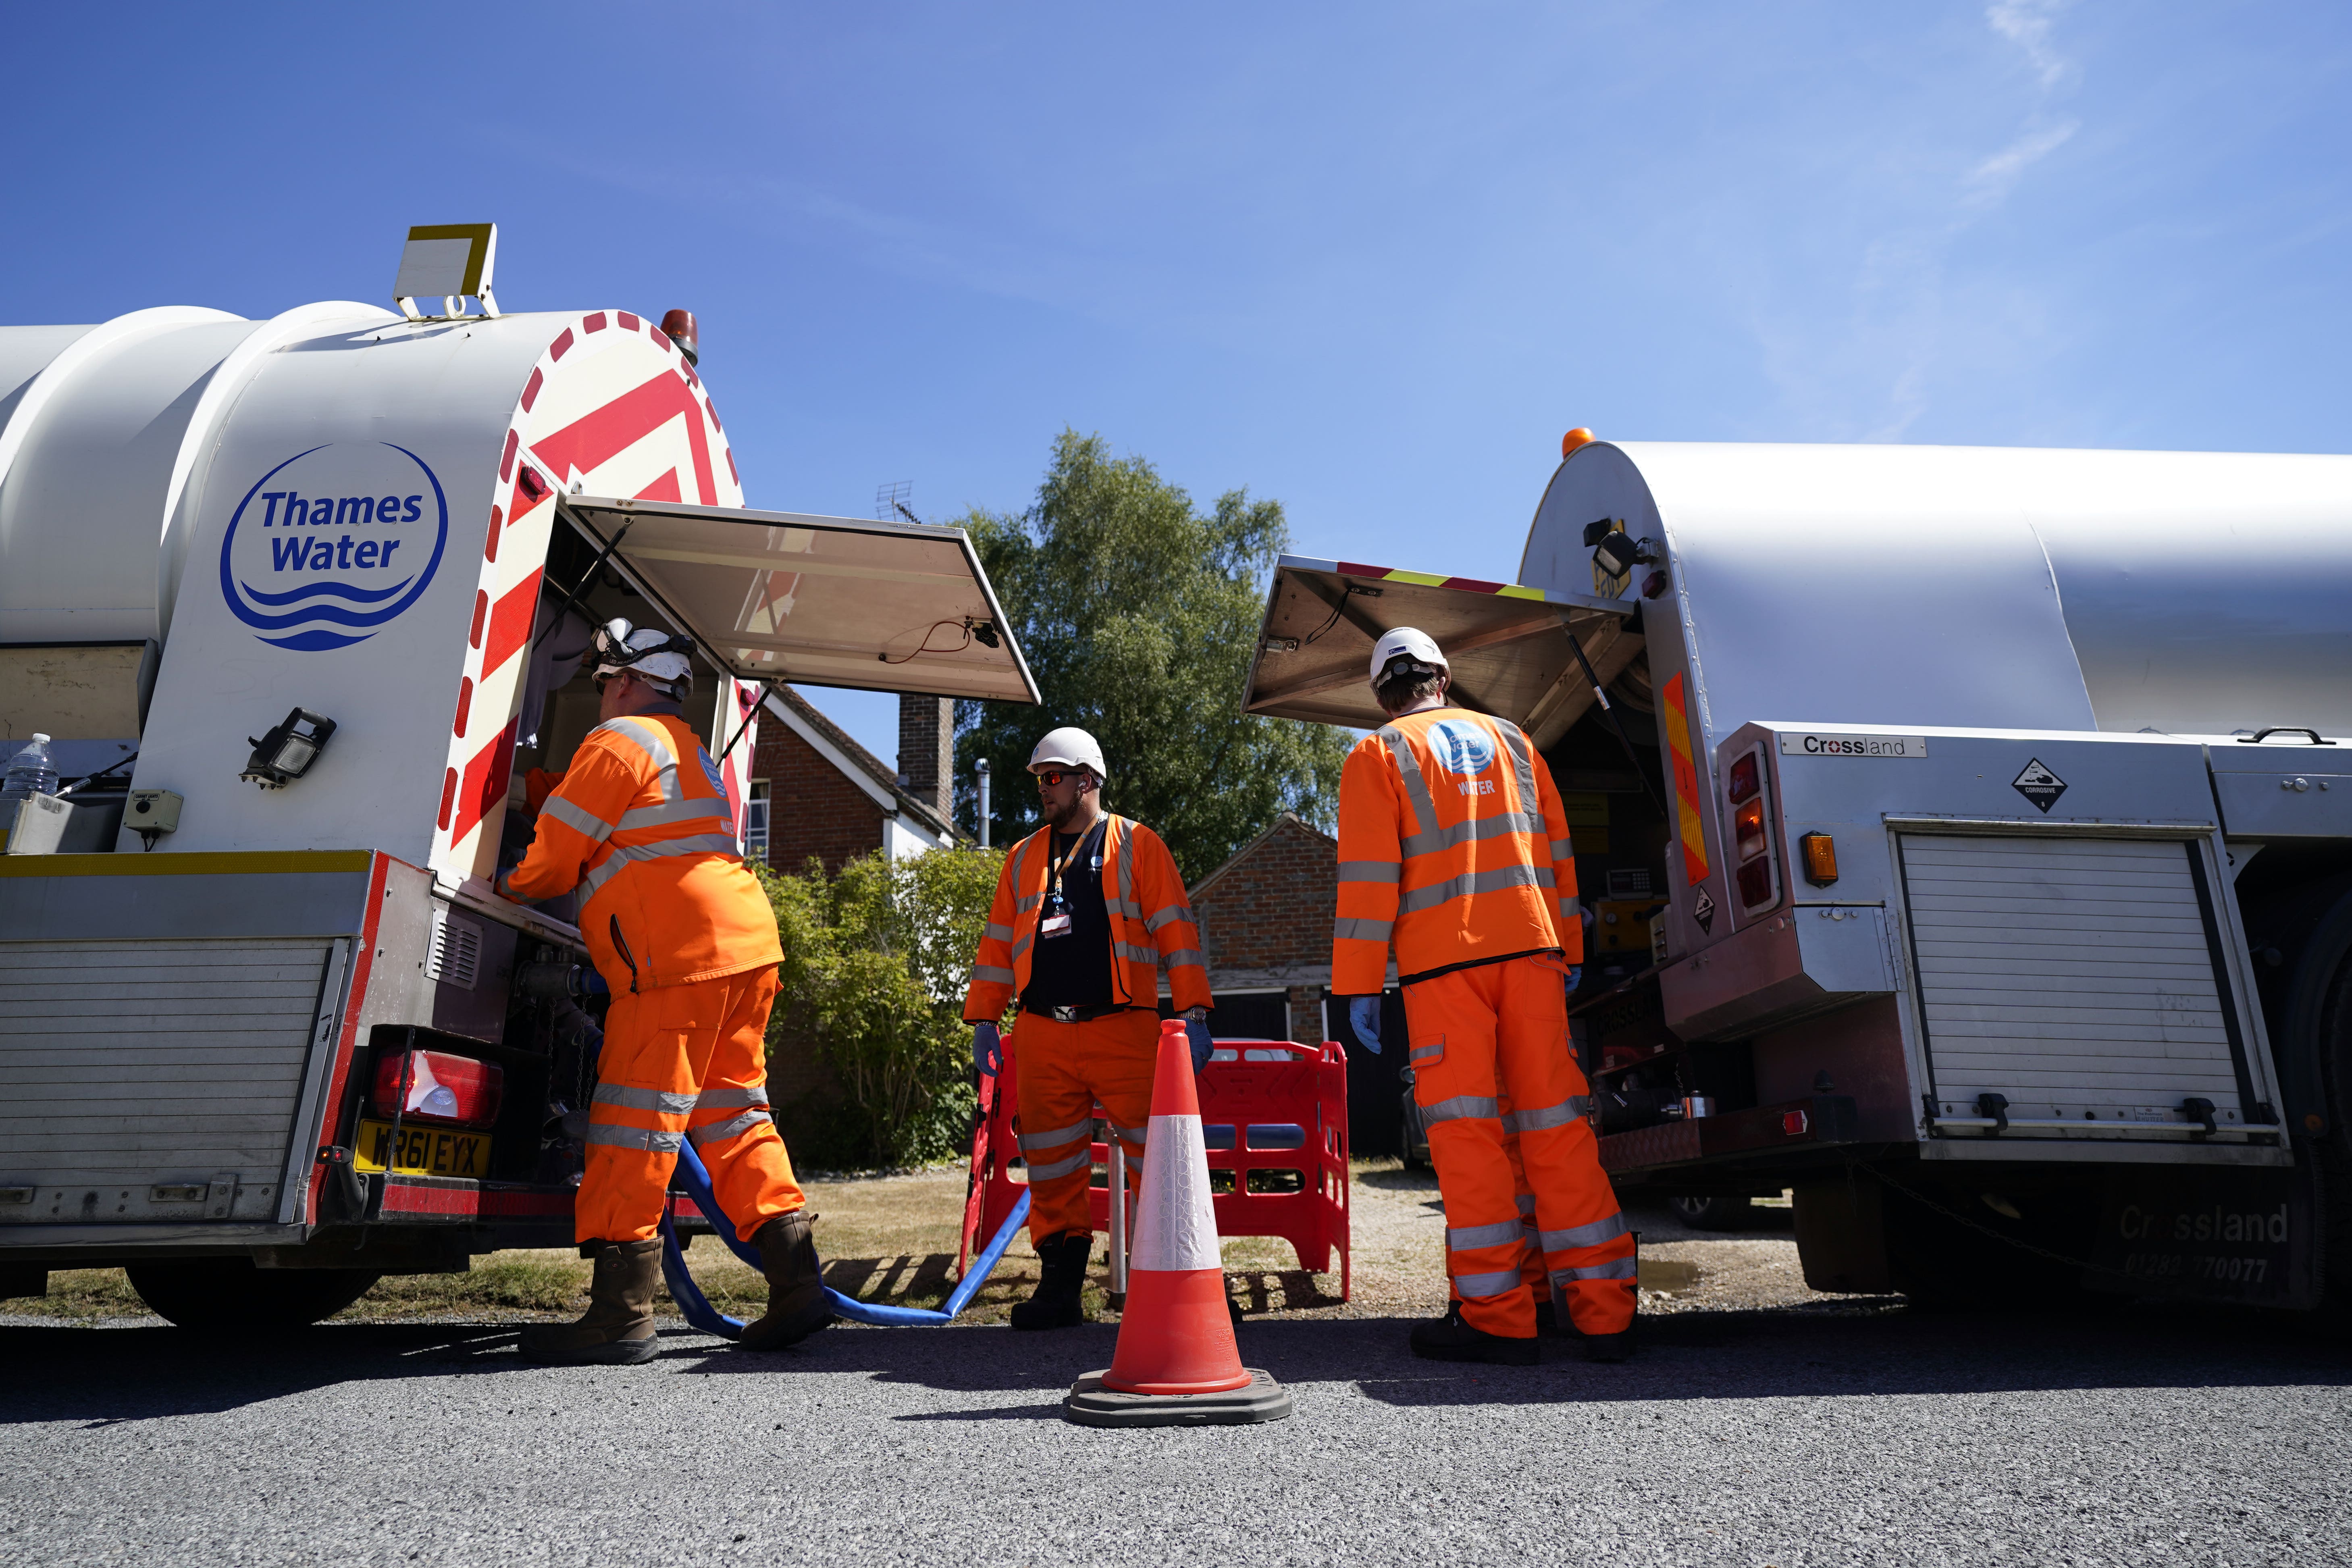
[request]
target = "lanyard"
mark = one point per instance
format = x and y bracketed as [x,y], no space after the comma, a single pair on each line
[1084,839]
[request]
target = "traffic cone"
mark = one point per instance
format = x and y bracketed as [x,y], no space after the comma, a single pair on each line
[1176,1364]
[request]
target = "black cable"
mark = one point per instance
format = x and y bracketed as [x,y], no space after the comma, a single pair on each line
[1615,722]
[748,714]
[587,580]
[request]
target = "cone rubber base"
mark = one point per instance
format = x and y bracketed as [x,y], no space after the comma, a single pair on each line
[1261,1399]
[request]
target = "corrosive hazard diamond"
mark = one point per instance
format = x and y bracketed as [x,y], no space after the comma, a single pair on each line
[2039,785]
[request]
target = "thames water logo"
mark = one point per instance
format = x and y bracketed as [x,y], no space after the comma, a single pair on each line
[332,545]
[1462,747]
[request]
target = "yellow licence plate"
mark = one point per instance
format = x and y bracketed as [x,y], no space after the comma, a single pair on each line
[424,1150]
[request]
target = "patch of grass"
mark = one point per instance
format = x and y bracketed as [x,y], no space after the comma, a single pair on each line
[82,1293]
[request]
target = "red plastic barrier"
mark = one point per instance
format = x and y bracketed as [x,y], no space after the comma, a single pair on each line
[1279,1108]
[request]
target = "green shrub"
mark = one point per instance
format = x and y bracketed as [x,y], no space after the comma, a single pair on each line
[876,961]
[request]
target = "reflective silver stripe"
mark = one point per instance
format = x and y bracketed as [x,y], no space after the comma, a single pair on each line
[1496,1235]
[998,934]
[657,743]
[636,1138]
[990,973]
[1135,1135]
[1495,1284]
[1347,928]
[1593,1235]
[659,1101]
[1501,825]
[1522,764]
[1028,901]
[1023,945]
[701,844]
[1572,1109]
[1133,912]
[1526,1203]
[1057,1138]
[1416,788]
[719,1099]
[1462,1107]
[1563,849]
[1420,1054]
[1135,954]
[733,1127]
[1370,871]
[1472,883]
[1059,1167]
[1171,913]
[670,812]
[1119,843]
[1617,1268]
[572,816]
[1180,957]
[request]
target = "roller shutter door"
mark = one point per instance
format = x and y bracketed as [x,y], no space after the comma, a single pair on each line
[2076,976]
[124,1065]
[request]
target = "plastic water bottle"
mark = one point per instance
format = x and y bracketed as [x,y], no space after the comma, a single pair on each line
[32,771]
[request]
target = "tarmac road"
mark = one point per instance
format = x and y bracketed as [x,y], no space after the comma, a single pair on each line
[1833,1435]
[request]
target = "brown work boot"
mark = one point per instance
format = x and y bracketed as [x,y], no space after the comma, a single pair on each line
[1061,1275]
[618,1327]
[797,1304]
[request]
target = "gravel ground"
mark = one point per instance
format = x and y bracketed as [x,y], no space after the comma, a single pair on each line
[1763,1423]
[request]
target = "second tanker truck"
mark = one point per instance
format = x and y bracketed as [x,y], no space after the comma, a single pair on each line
[1967,835]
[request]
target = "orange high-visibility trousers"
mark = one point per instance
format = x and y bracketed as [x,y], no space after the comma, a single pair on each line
[1064,1069]
[1483,1038]
[680,1062]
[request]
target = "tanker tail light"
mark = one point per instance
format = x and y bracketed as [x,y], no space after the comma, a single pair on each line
[1756,872]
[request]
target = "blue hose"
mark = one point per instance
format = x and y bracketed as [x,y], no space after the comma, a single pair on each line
[701,1314]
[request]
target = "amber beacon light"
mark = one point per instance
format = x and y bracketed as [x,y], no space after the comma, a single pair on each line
[1576,438]
[1820,858]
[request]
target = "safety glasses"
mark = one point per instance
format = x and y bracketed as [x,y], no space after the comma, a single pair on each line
[1049,777]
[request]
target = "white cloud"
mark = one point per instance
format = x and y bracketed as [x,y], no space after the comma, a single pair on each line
[1991,180]
[2026,23]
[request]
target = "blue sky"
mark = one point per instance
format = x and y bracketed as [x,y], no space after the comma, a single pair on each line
[1370,259]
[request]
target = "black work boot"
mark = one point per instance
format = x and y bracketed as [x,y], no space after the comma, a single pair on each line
[618,1327]
[1450,1339]
[797,1304]
[1061,1275]
[1614,1347]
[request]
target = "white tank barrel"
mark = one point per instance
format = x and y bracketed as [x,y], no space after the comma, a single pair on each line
[2191,592]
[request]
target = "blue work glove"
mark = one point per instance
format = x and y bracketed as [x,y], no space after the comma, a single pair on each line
[1196,1034]
[1575,973]
[986,1058]
[1364,1018]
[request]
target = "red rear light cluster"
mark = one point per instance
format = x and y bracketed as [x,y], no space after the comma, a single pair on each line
[1757,873]
[438,1088]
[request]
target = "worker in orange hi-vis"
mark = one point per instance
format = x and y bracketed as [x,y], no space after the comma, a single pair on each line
[687,940]
[1453,844]
[1087,909]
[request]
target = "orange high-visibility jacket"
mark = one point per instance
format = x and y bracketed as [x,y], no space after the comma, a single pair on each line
[640,822]
[1150,923]
[1453,842]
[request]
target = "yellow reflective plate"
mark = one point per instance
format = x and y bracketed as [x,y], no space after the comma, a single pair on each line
[424,1150]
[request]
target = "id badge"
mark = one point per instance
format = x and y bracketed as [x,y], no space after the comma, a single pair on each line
[1052,926]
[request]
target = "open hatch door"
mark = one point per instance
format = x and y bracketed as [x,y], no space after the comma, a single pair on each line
[817,601]
[1506,643]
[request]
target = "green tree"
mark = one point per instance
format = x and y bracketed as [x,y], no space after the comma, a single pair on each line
[876,960]
[1138,614]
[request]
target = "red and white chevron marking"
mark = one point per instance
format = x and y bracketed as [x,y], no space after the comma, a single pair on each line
[613,406]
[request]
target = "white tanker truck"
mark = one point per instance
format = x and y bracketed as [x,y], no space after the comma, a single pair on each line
[1967,836]
[301,602]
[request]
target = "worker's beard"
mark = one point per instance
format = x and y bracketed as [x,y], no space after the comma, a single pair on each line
[1058,817]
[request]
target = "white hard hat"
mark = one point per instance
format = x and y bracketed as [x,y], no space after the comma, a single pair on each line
[654,656]
[1069,747]
[1407,642]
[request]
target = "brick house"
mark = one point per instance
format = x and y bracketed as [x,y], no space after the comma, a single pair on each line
[814,791]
